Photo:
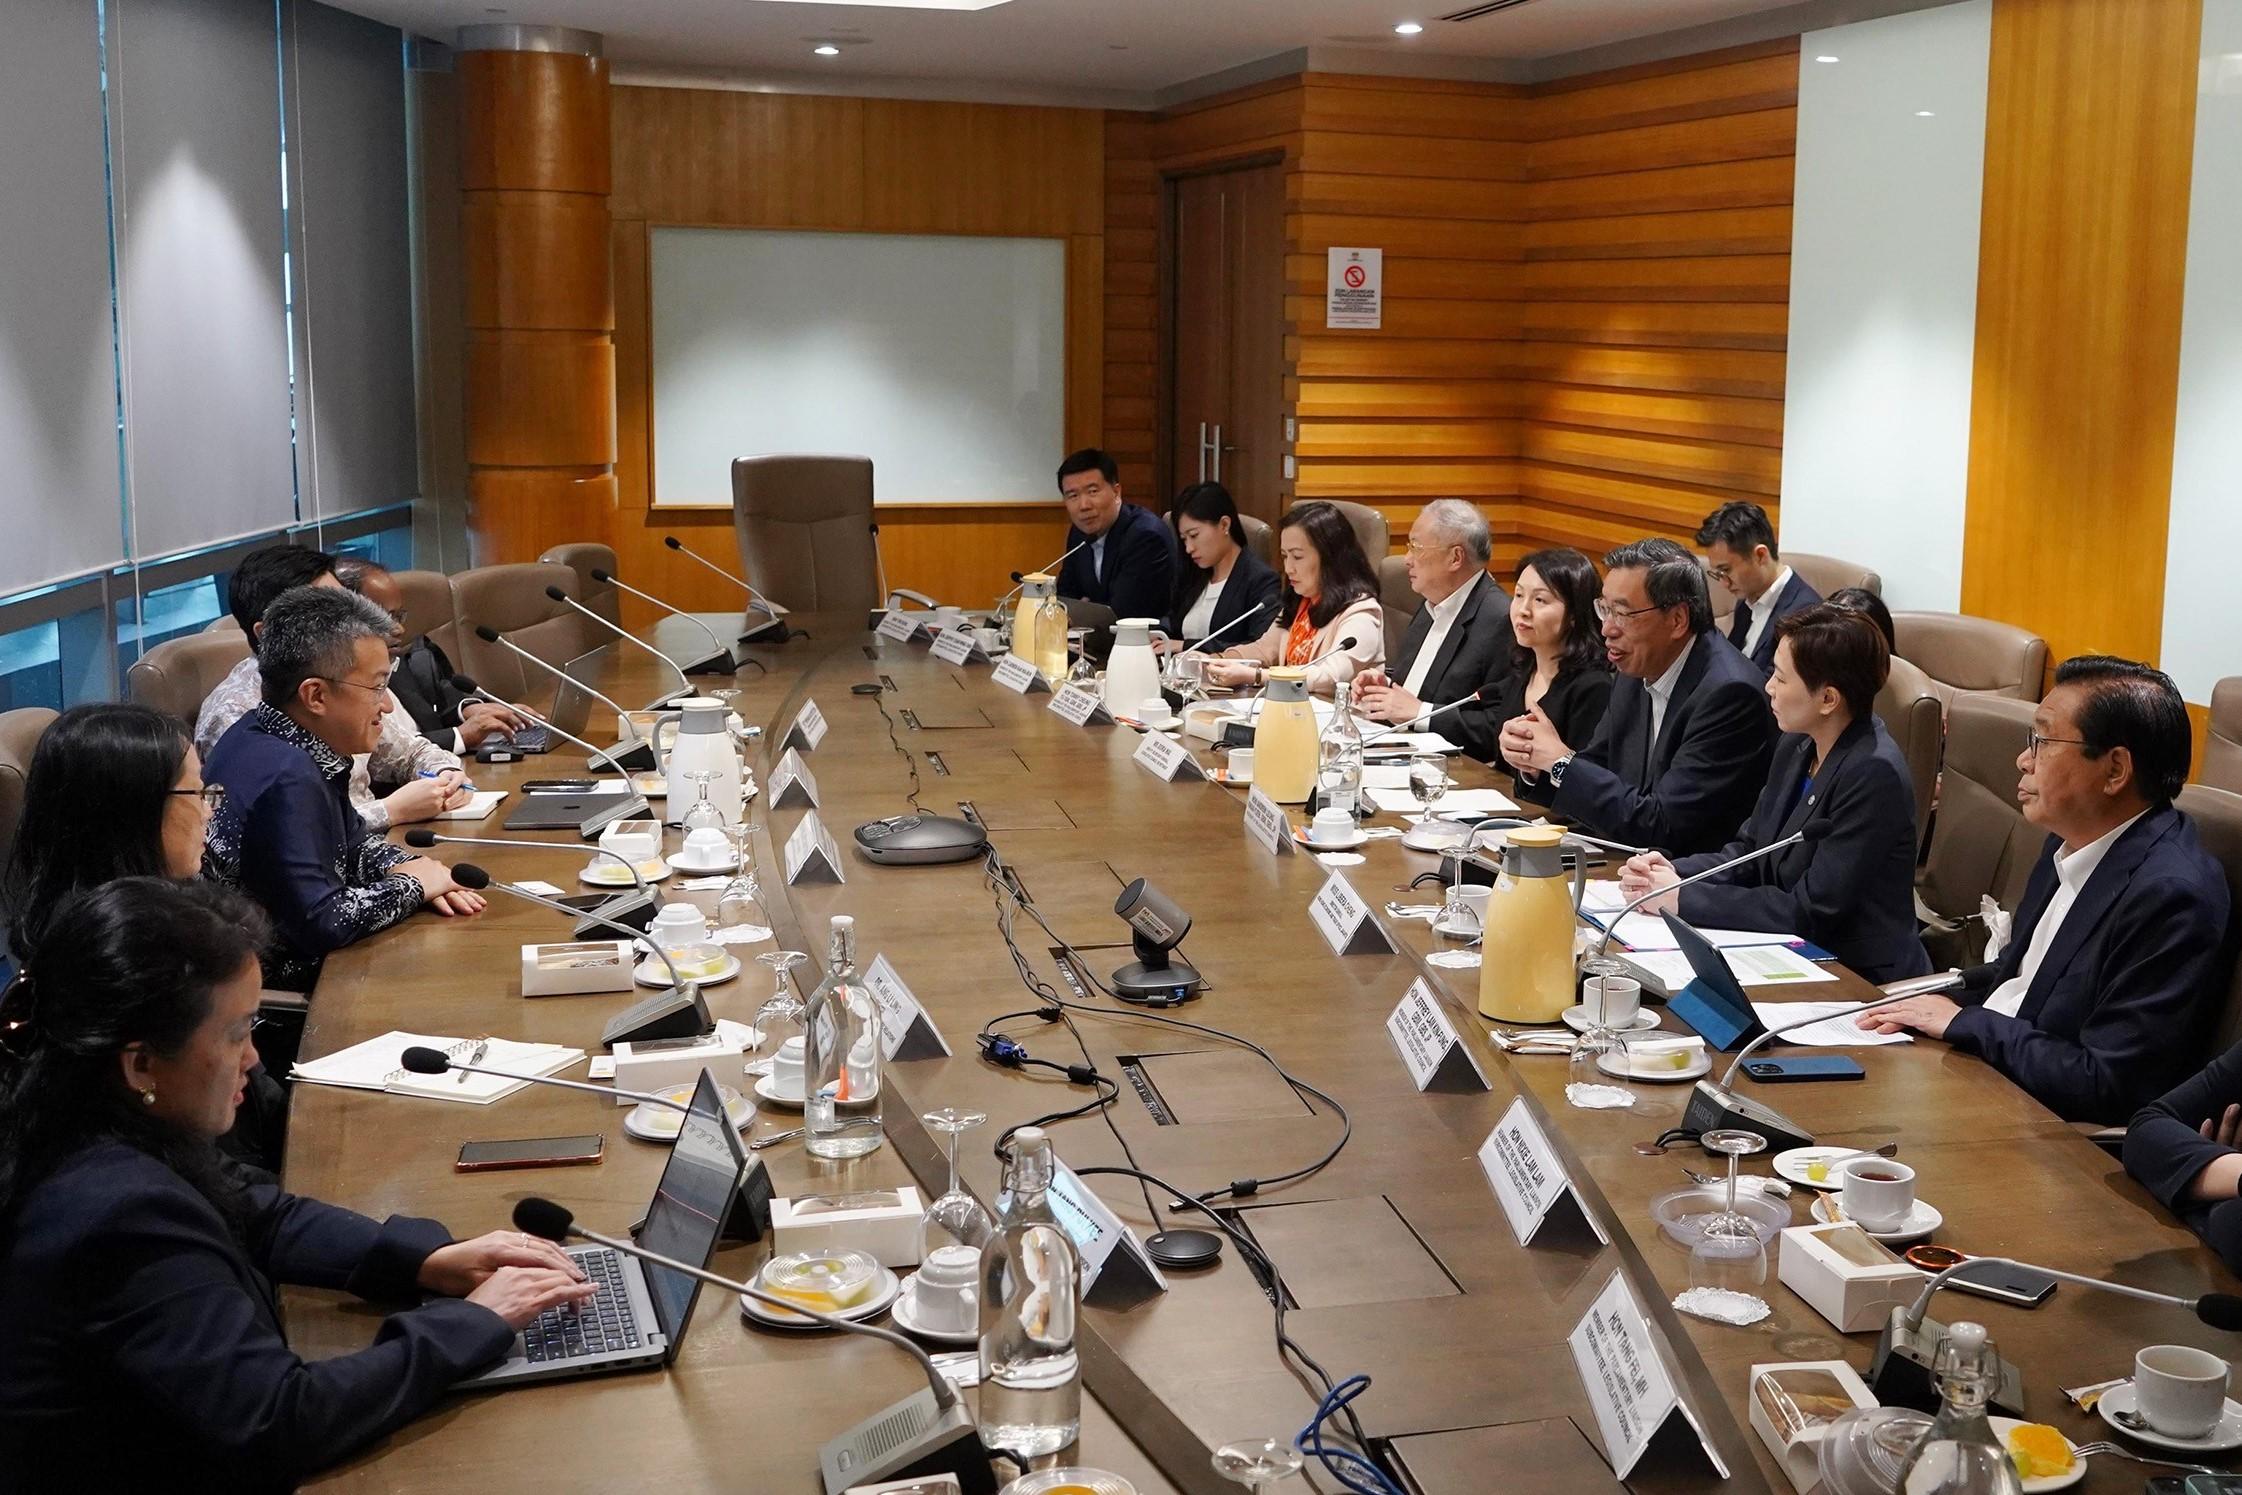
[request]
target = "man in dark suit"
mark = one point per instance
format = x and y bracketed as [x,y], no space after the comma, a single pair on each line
[2109,984]
[1739,542]
[1682,752]
[1459,638]
[1128,564]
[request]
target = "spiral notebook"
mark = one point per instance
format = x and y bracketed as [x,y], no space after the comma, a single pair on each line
[377,1064]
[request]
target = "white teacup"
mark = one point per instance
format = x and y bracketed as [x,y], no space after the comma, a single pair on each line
[1331,827]
[1241,765]
[1467,907]
[1877,1193]
[2180,1391]
[707,846]
[786,1069]
[1153,709]
[676,925]
[947,618]
[1612,1001]
[943,1295]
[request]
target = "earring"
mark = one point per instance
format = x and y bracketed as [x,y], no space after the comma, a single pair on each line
[147,1097]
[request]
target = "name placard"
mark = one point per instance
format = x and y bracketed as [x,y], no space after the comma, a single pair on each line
[792,783]
[897,625]
[1266,823]
[1345,919]
[1079,706]
[812,853]
[1529,1182]
[961,645]
[1015,674]
[808,729]
[1110,1251]
[1167,758]
[906,1032]
[1627,1383]
[1429,1043]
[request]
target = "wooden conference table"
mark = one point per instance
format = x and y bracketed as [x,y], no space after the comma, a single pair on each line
[1398,1258]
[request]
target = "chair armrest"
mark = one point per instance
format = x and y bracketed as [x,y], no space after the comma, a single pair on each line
[910,596]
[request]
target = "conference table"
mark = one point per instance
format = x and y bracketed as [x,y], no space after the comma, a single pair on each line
[1397,1259]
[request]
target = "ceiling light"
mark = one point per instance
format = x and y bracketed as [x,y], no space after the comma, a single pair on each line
[1825,57]
[826,49]
[1407,28]
[1923,114]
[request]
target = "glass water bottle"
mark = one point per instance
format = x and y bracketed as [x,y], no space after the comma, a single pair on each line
[841,1056]
[1339,779]
[1031,1383]
[1960,1455]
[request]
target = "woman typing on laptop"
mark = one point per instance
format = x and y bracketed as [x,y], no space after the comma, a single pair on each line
[139,1323]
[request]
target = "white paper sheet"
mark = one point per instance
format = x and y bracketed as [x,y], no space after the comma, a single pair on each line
[1831,1033]
[1466,802]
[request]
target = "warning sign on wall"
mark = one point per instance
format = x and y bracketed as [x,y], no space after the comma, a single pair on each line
[1353,287]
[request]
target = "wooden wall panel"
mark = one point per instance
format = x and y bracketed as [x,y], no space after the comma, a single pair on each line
[1130,421]
[2089,144]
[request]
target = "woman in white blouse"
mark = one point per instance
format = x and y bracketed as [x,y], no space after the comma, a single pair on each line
[1221,581]
[1328,617]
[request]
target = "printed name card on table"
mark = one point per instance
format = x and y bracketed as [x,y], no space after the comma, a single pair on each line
[1110,1252]
[792,783]
[811,852]
[1266,823]
[961,645]
[1429,1044]
[1627,1383]
[808,729]
[1015,674]
[1079,706]
[897,625]
[1167,758]
[1345,920]
[1529,1181]
[906,1032]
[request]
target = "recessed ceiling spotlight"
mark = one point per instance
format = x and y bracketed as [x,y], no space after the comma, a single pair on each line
[1923,114]
[826,49]
[1407,28]
[1825,57]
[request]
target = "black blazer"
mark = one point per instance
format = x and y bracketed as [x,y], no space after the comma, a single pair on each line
[1690,790]
[423,686]
[1795,595]
[1250,581]
[1476,650]
[2165,1152]
[1852,892]
[1574,703]
[2128,990]
[1139,575]
[134,1327]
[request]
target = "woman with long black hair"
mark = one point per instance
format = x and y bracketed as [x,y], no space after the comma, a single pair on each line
[1328,617]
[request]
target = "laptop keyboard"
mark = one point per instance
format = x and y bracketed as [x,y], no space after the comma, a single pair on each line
[531,739]
[602,1323]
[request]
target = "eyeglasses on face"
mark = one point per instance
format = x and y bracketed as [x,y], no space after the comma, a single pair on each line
[1608,611]
[2033,742]
[359,684]
[1721,572]
[1415,549]
[211,795]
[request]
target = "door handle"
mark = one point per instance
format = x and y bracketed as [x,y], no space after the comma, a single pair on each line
[1217,446]
[1202,451]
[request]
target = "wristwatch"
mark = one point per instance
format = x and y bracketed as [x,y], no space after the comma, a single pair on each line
[1557,771]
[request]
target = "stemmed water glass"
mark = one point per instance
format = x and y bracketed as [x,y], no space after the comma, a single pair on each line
[783,1003]
[703,816]
[740,906]
[1085,669]
[1428,783]
[1729,1254]
[956,1218]
[1257,1463]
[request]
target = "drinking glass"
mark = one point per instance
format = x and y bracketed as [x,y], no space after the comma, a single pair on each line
[1257,1463]
[1428,782]
[1085,669]
[783,1003]
[1732,1144]
[704,816]
[740,905]
[1588,1085]
[957,1218]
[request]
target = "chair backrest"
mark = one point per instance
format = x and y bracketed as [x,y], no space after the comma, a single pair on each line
[1981,842]
[1369,526]
[805,531]
[177,674]
[1261,538]
[1913,712]
[19,738]
[2222,746]
[1827,574]
[1973,654]
[223,623]
[511,601]
[1397,598]
[428,607]
[584,557]
[2217,814]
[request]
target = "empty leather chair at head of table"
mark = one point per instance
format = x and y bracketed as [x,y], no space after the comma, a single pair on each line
[584,557]
[2222,745]
[1827,574]
[1981,843]
[1914,712]
[177,674]
[19,738]
[805,531]
[1966,654]
[1371,530]
[512,601]
[2217,814]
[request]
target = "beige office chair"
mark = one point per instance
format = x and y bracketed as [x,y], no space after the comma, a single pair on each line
[1370,529]
[2222,745]
[175,676]
[2217,814]
[1395,595]
[1827,574]
[428,605]
[511,600]
[1260,537]
[584,557]
[1912,710]
[223,623]
[20,731]
[805,531]
[1981,842]
[1965,654]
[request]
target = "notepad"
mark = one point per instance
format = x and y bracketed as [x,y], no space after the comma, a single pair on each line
[378,1064]
[478,806]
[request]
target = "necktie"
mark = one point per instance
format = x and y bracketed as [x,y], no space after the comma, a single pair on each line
[1740,624]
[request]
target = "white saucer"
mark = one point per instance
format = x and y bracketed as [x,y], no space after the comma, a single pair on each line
[605,874]
[885,1293]
[1346,843]
[1576,1018]
[1703,1066]
[2002,1426]
[1924,1219]
[767,1091]
[650,1123]
[1792,1165]
[652,972]
[703,869]
[2228,1434]
[1166,723]
[1449,835]
[906,1316]
[1458,931]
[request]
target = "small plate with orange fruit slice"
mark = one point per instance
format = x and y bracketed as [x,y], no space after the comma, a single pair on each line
[2044,1458]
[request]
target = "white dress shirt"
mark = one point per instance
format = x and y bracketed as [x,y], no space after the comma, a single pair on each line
[1662,689]
[1762,612]
[2071,873]
[1199,621]
[1443,620]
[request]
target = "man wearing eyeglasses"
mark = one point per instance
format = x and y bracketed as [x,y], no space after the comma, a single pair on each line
[1740,554]
[2110,983]
[1681,755]
[1459,638]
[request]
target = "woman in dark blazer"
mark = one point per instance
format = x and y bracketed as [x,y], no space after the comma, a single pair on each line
[1556,662]
[2186,1149]
[1216,559]
[140,1333]
[1853,891]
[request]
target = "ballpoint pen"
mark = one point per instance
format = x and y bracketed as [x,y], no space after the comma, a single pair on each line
[482,1047]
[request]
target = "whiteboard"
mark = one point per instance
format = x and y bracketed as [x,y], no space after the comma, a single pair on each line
[943,359]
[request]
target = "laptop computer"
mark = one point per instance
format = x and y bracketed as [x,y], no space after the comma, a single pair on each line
[641,1312]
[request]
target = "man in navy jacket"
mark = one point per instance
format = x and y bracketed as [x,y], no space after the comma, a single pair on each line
[1129,562]
[2109,985]
[1682,752]
[1739,541]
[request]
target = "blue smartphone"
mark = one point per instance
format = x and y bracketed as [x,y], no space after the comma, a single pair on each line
[1816,1067]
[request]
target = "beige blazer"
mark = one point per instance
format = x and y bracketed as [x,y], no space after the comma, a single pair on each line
[1364,622]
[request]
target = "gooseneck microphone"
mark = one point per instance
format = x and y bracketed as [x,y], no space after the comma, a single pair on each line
[718,663]
[1020,578]
[598,756]
[1897,991]
[635,908]
[1199,646]
[928,1433]
[685,686]
[623,757]
[770,631]
[427,1061]
[1813,830]
[1425,716]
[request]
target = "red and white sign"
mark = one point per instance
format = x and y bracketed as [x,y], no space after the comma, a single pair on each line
[1354,288]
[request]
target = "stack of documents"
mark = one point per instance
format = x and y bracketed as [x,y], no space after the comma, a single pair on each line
[378,1064]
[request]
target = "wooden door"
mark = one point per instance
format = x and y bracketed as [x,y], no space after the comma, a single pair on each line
[1199,380]
[1226,376]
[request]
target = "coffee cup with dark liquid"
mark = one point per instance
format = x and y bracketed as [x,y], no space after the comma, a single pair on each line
[1877,1192]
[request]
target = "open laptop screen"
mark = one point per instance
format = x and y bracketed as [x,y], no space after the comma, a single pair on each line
[572,705]
[689,1206]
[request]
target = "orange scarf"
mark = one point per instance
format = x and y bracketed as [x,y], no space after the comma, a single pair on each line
[1300,641]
